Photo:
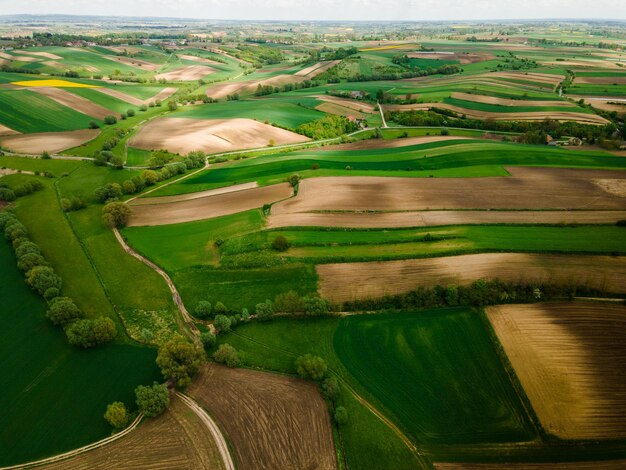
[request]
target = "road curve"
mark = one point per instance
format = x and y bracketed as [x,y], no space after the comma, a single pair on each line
[218,437]
[80,450]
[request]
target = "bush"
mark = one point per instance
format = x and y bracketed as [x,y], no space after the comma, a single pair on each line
[172,105]
[45,155]
[149,177]
[330,389]
[6,218]
[152,400]
[116,214]
[7,195]
[89,333]
[340,416]
[220,308]
[293,180]
[315,306]
[72,204]
[42,278]
[51,293]
[117,162]
[93,125]
[228,355]
[25,248]
[128,187]
[311,367]
[110,119]
[264,311]
[222,323]
[15,230]
[62,311]
[288,302]
[130,113]
[203,309]
[208,339]
[117,415]
[280,243]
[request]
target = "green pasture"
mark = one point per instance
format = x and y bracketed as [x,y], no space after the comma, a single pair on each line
[54,395]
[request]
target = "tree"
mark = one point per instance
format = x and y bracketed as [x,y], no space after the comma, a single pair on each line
[89,333]
[179,360]
[130,113]
[93,125]
[316,306]
[45,155]
[117,162]
[30,260]
[152,400]
[42,278]
[7,194]
[280,243]
[222,323]
[288,302]
[108,192]
[311,367]
[149,177]
[220,308]
[171,105]
[208,339]
[228,355]
[293,180]
[116,214]
[117,415]
[341,416]
[264,311]
[62,311]
[110,119]
[128,187]
[203,309]
[330,389]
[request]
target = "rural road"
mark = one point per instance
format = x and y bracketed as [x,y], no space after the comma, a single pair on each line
[193,329]
[80,450]
[382,115]
[220,442]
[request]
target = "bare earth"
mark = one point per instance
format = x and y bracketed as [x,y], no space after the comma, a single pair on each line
[316,69]
[357,105]
[150,212]
[47,55]
[601,80]
[569,358]
[75,102]
[188,72]
[434,218]
[527,188]
[137,63]
[48,141]
[598,465]
[338,110]
[196,195]
[272,421]
[390,143]
[177,439]
[508,102]
[161,95]
[183,135]
[341,282]
[4,130]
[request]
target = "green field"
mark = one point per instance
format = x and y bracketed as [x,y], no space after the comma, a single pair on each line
[53,395]
[459,158]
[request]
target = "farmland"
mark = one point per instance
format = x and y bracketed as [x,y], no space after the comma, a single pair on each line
[318,245]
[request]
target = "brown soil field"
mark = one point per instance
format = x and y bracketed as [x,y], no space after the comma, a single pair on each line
[250,86]
[338,110]
[545,78]
[197,195]
[161,95]
[357,105]
[47,55]
[4,130]
[582,63]
[526,188]
[140,64]
[75,102]
[605,104]
[176,439]
[342,282]
[272,421]
[525,116]
[463,57]
[508,102]
[435,218]
[188,72]
[49,141]
[156,213]
[20,58]
[197,59]
[598,465]
[316,69]
[569,358]
[601,80]
[613,186]
[123,49]
[183,135]
[390,143]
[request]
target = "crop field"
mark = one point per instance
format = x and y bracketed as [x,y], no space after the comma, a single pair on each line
[343,282]
[43,367]
[178,438]
[270,420]
[567,357]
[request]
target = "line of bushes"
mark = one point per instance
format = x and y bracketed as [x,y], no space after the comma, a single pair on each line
[42,278]
[9,194]
[480,293]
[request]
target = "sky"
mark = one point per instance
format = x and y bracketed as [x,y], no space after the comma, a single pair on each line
[413,10]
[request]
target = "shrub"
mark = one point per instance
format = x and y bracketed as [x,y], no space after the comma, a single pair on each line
[108,192]
[62,311]
[228,355]
[25,248]
[93,125]
[340,416]
[280,243]
[117,415]
[149,177]
[15,230]
[6,218]
[289,302]
[294,179]
[152,400]
[117,162]
[45,155]
[42,278]
[330,389]
[110,119]
[51,293]
[7,195]
[222,323]
[171,105]
[311,367]
[30,260]
[203,309]
[264,311]
[143,107]
[116,214]
[315,166]
[315,306]
[130,113]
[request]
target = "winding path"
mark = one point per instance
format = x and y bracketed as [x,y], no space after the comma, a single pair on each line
[220,442]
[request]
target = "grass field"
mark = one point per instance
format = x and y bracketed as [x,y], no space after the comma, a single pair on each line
[456,158]
[41,369]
